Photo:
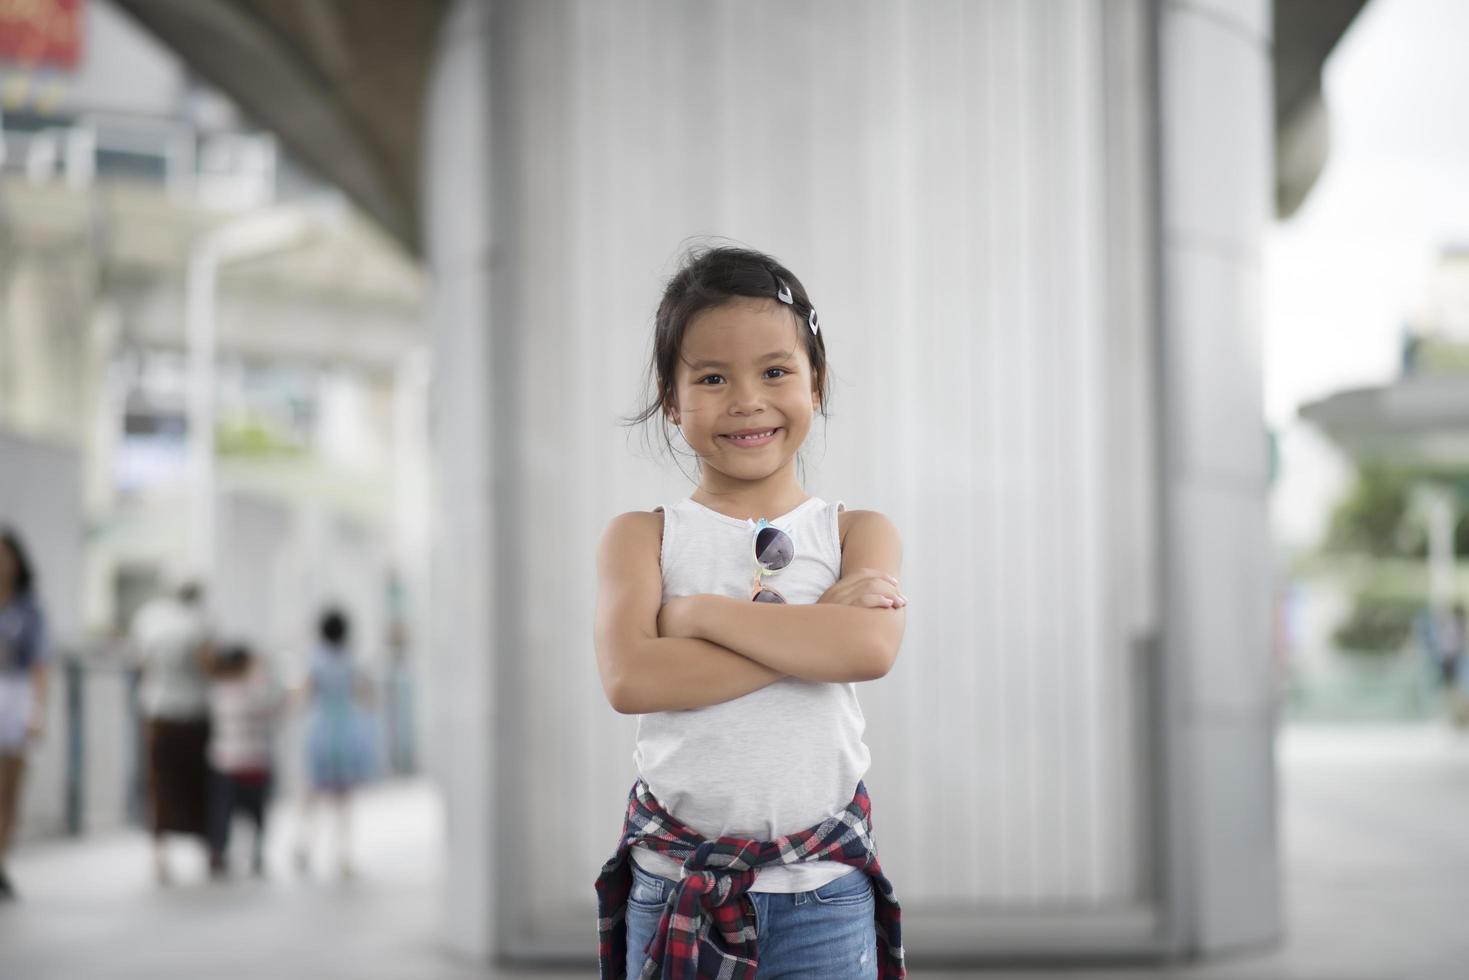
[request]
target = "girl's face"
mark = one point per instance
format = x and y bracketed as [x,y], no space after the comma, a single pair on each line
[744,387]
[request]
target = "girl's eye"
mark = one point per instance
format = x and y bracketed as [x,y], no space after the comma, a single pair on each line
[773,374]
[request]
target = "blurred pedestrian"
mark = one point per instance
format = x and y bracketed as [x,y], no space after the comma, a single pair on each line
[171,636]
[397,703]
[1450,640]
[1451,649]
[244,705]
[23,657]
[339,736]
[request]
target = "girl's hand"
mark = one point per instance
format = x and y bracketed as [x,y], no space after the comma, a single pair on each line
[865,587]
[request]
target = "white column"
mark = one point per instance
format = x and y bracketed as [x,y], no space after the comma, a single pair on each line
[203,275]
[934,197]
[462,650]
[260,232]
[1218,707]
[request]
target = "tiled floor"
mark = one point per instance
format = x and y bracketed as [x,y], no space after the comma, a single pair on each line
[1375,834]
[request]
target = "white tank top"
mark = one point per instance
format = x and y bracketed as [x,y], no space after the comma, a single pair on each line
[775,761]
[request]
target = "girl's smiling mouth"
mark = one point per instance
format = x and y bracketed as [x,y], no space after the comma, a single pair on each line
[747,438]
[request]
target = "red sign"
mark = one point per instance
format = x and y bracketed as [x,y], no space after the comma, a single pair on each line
[41,33]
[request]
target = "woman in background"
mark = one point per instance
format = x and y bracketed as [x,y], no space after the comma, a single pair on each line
[171,635]
[22,683]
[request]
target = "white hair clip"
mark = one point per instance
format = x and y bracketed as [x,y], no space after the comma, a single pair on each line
[783,293]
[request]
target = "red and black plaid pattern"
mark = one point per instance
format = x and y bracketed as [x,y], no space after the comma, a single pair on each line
[708,924]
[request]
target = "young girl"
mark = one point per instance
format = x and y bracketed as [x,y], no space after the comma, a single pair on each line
[736,623]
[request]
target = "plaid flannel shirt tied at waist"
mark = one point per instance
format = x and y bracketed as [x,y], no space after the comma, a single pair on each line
[707,929]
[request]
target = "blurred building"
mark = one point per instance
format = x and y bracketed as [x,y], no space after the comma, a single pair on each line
[1420,419]
[124,179]
[1417,429]
[1033,232]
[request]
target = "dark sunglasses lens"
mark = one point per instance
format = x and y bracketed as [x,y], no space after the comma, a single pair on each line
[768,595]
[773,549]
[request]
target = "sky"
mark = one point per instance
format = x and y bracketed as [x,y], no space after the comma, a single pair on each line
[1352,265]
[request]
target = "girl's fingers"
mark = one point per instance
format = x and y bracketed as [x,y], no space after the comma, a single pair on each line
[887,599]
[884,586]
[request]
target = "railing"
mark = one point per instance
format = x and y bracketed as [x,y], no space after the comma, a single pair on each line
[216,168]
[83,773]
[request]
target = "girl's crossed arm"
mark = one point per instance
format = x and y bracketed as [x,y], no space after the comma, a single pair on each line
[852,633]
[642,671]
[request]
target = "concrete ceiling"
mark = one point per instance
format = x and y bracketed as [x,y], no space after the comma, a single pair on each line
[341,82]
[1305,33]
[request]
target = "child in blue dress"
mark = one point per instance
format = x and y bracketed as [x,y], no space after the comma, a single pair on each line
[339,742]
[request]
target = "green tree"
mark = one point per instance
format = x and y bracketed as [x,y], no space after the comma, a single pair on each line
[1372,518]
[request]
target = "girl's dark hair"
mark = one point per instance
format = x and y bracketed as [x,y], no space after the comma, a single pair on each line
[334,627]
[709,277]
[25,579]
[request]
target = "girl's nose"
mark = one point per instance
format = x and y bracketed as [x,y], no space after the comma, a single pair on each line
[744,399]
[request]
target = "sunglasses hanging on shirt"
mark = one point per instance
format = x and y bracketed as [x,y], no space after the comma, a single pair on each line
[773,551]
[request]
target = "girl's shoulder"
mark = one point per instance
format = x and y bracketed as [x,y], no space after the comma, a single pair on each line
[847,519]
[634,532]
[636,523]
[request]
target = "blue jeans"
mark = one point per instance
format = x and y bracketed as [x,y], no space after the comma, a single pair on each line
[826,934]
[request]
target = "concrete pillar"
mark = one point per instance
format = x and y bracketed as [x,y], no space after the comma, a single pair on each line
[569,148]
[457,180]
[1215,135]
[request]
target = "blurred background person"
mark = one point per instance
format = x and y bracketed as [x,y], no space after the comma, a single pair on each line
[1451,645]
[244,707]
[339,736]
[1451,649]
[171,636]
[22,683]
[398,716]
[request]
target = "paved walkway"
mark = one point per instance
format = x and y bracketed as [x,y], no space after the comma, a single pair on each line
[1375,832]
